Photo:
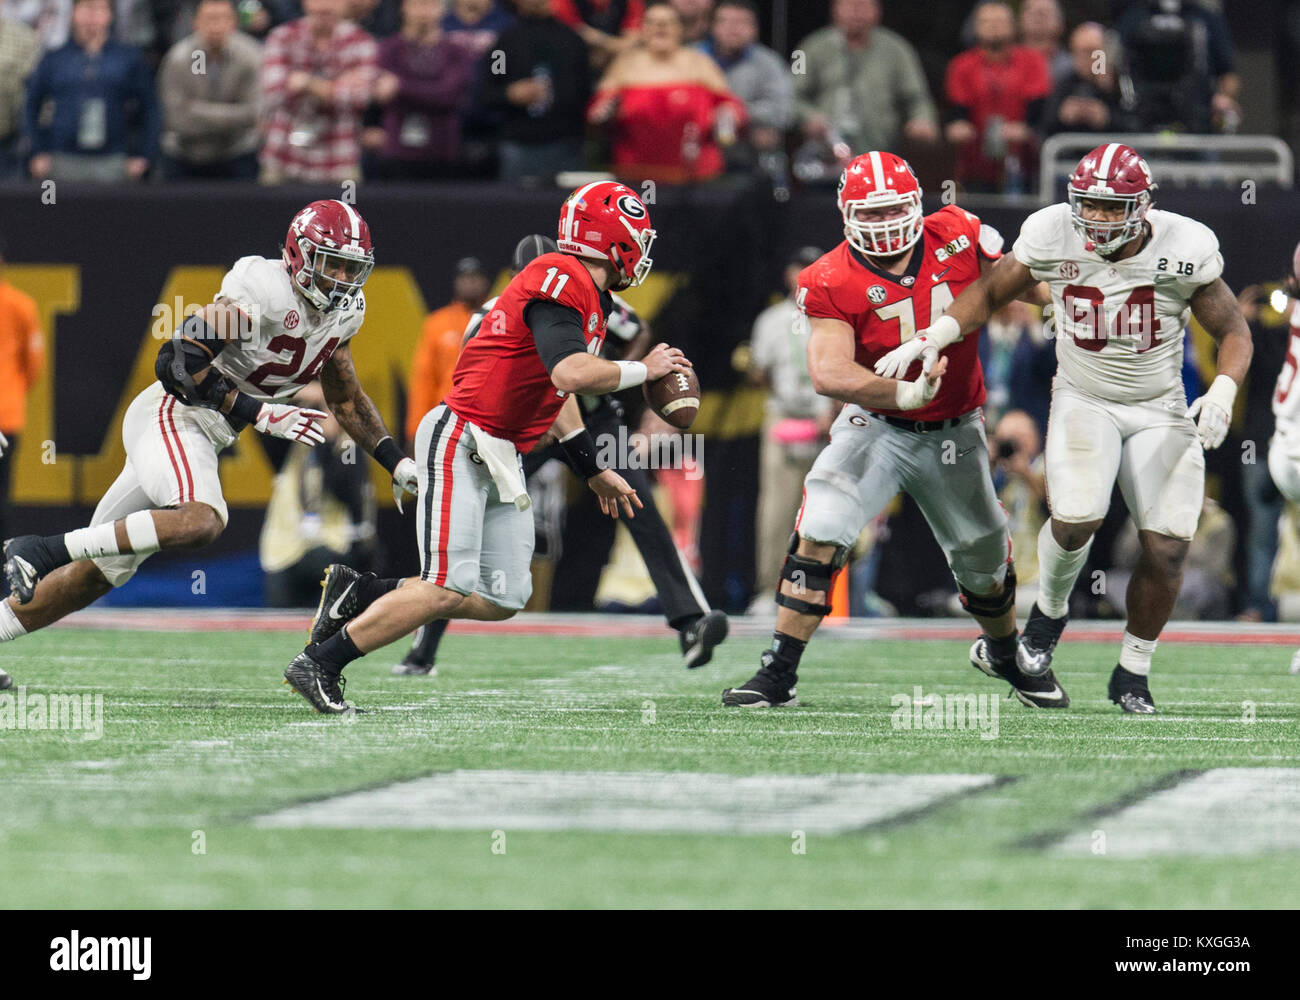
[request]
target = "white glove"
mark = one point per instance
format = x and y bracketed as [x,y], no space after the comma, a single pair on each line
[914,395]
[4,444]
[404,481]
[1215,412]
[926,346]
[294,423]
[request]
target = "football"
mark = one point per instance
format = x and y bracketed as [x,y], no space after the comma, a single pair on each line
[675,397]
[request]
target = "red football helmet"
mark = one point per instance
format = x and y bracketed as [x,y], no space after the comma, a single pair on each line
[607,221]
[1111,172]
[880,180]
[328,252]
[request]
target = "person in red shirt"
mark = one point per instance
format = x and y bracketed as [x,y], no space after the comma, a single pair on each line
[515,382]
[607,26]
[903,427]
[993,91]
[668,106]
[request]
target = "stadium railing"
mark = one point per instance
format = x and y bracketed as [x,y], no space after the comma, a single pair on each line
[1176,160]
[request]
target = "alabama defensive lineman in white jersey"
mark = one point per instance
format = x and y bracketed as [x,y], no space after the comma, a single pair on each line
[1284,448]
[274,326]
[1124,279]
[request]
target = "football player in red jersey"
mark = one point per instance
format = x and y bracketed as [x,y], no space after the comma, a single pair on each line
[917,432]
[514,382]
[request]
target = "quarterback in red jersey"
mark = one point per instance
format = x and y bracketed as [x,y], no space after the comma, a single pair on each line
[513,383]
[912,431]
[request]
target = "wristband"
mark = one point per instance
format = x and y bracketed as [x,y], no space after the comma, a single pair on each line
[1222,392]
[944,331]
[388,454]
[580,449]
[245,407]
[631,373]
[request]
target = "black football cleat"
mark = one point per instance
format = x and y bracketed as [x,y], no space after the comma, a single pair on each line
[1130,692]
[413,668]
[1037,642]
[6,682]
[321,688]
[766,689]
[699,639]
[1036,692]
[339,602]
[26,560]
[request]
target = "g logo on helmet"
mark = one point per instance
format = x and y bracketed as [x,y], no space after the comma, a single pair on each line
[630,205]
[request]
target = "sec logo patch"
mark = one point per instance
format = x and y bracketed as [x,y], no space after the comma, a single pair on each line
[876,293]
[1069,270]
[592,320]
[291,319]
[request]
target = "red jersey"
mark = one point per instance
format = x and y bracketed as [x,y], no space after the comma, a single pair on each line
[885,309]
[989,88]
[500,383]
[669,127]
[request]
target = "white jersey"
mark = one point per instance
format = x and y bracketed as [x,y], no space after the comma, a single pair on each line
[1120,324]
[290,340]
[1286,394]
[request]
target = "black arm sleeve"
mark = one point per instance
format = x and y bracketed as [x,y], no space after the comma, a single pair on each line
[556,330]
[192,349]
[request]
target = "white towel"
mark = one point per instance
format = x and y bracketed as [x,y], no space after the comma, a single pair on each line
[503,465]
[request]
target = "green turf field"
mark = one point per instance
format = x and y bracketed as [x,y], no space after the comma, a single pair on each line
[1077,808]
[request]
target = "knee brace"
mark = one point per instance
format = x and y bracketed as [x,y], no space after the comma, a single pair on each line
[809,575]
[992,605]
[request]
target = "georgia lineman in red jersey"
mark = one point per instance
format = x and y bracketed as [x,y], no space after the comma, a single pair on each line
[920,433]
[513,383]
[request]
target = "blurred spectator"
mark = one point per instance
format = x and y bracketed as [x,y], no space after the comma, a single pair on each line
[1272,334]
[796,425]
[607,26]
[91,113]
[22,357]
[19,50]
[440,341]
[1020,479]
[1088,100]
[317,76]
[1178,56]
[322,511]
[994,90]
[861,84]
[1003,334]
[210,85]
[145,25]
[378,18]
[668,106]
[697,18]
[1042,27]
[50,19]
[756,75]
[475,24]
[542,94]
[424,86]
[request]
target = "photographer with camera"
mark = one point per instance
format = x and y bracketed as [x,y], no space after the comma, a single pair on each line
[1016,456]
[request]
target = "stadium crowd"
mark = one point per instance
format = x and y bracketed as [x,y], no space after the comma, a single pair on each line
[679,91]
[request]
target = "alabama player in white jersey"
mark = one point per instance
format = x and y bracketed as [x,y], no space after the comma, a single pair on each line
[1284,448]
[274,326]
[1124,279]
